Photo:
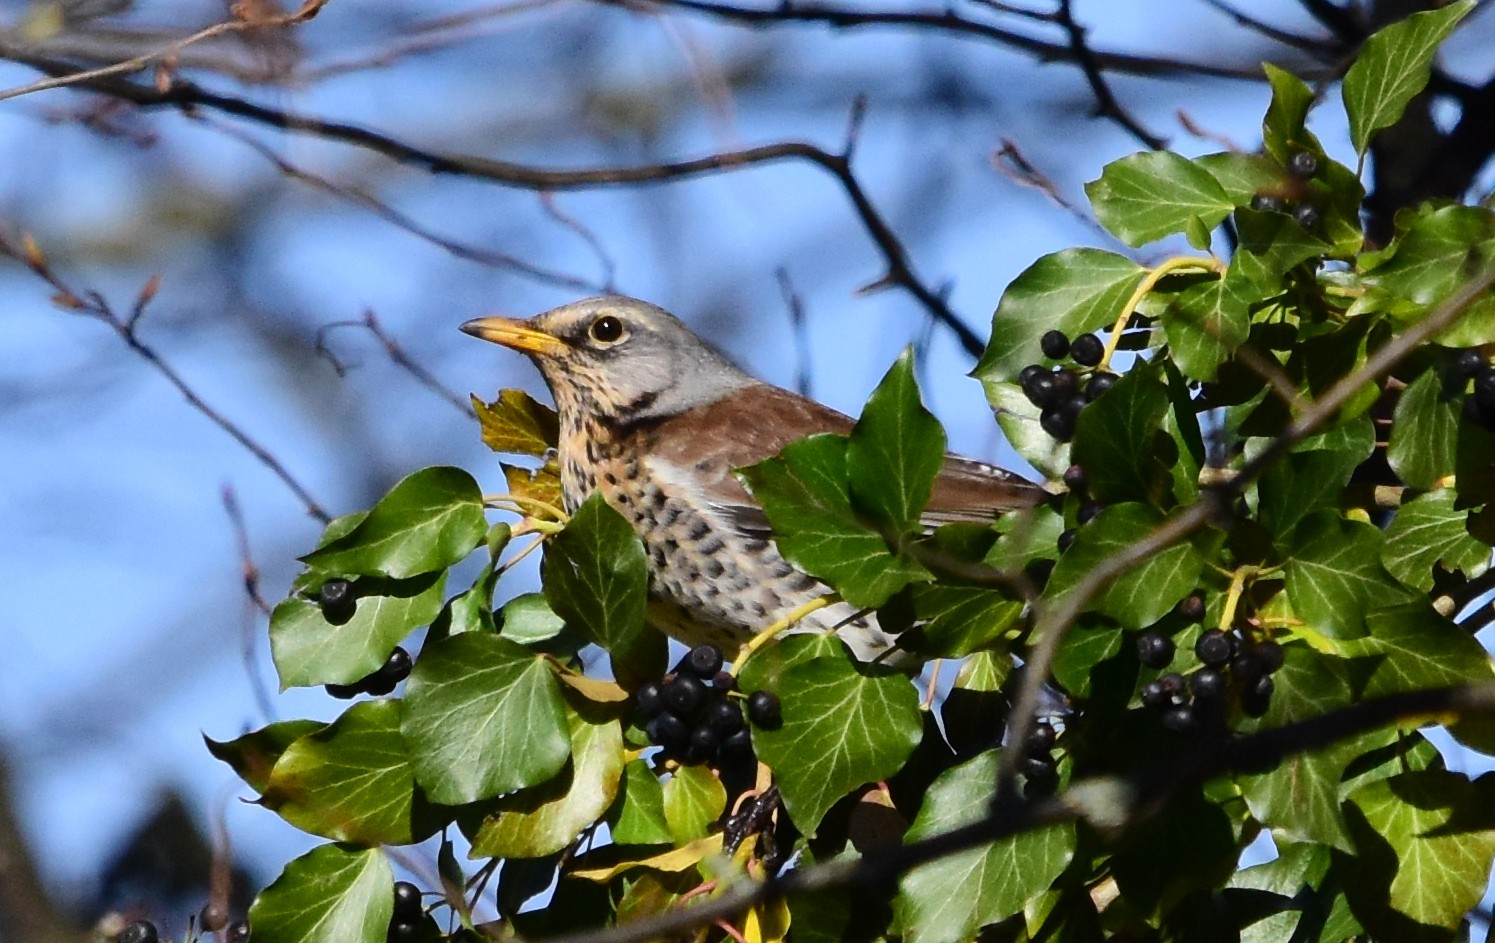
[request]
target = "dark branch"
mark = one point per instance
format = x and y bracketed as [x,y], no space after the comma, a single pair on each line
[1106,104]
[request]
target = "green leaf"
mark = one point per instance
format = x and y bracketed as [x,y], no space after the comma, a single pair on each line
[427,522]
[1298,485]
[472,610]
[765,670]
[1333,575]
[1431,530]
[953,897]
[1242,175]
[1075,291]
[693,800]
[528,619]
[806,495]
[253,755]
[959,620]
[1416,648]
[895,450]
[1202,851]
[483,716]
[1424,843]
[1205,323]
[1282,130]
[1146,592]
[1272,244]
[974,711]
[328,895]
[308,649]
[1434,255]
[516,424]
[1299,797]
[1115,440]
[1018,419]
[1146,196]
[597,577]
[1087,643]
[638,816]
[844,726]
[351,781]
[1393,66]
[545,819]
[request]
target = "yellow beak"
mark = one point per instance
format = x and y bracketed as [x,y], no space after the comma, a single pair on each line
[516,335]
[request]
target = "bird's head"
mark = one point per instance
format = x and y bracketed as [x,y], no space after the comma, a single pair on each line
[619,360]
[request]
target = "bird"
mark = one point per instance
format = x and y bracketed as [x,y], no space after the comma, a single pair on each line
[657,420]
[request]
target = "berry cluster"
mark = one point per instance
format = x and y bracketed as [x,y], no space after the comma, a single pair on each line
[396,668]
[1078,484]
[1301,166]
[1228,664]
[691,715]
[1040,769]
[1058,392]
[405,920]
[1479,405]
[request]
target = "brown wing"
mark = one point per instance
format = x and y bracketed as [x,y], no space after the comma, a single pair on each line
[766,418]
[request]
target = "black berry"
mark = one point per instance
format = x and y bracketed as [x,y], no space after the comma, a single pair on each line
[1087,350]
[1475,414]
[1040,740]
[1041,768]
[1054,344]
[407,901]
[1029,372]
[703,743]
[1468,362]
[739,744]
[1247,669]
[239,932]
[213,917]
[668,730]
[401,931]
[1267,203]
[1180,719]
[1207,684]
[335,597]
[1302,165]
[141,931]
[1066,384]
[650,701]
[1306,215]
[1271,656]
[1087,511]
[1213,648]
[1484,390]
[724,717]
[704,661]
[764,710]
[1154,695]
[1059,423]
[1191,608]
[1098,384]
[396,668]
[1039,388]
[1154,649]
[684,695]
[1074,479]
[1257,697]
[344,692]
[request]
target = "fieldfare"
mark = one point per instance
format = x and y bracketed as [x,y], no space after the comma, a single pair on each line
[657,419]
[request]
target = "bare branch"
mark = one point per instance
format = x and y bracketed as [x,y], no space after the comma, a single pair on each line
[1106,104]
[249,633]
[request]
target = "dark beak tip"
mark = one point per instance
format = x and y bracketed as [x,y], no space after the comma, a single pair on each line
[472,328]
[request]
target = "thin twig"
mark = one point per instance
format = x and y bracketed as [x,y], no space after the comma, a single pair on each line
[1106,104]
[1324,51]
[396,353]
[249,636]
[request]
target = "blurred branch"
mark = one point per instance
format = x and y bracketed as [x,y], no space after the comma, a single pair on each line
[396,353]
[1317,47]
[187,95]
[1109,803]
[92,304]
[948,21]
[1106,104]
[166,54]
[249,634]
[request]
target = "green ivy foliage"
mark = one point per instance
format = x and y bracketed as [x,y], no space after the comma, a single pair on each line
[1351,551]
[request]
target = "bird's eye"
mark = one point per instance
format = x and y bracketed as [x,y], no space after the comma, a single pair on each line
[607,329]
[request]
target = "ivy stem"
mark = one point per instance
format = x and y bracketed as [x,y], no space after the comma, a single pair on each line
[1148,283]
[767,635]
[526,505]
[1233,598]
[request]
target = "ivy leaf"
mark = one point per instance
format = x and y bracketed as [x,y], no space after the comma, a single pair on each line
[329,893]
[1298,485]
[1424,841]
[1145,593]
[1417,648]
[596,579]
[1282,130]
[1393,66]
[1333,575]
[472,610]
[637,817]
[1433,256]
[542,484]
[483,716]
[1088,642]
[693,800]
[545,819]
[765,670]
[309,649]
[1115,437]
[995,881]
[516,424]
[895,450]
[253,755]
[1018,419]
[1075,291]
[958,620]
[1205,323]
[1429,530]
[974,711]
[843,727]
[528,619]
[1242,175]
[351,781]
[1299,798]
[427,522]
[1272,244]
[1146,196]
[806,495]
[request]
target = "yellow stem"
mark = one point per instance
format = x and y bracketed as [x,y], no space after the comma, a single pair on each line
[527,505]
[768,634]
[1233,598]
[1148,283]
[523,553]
